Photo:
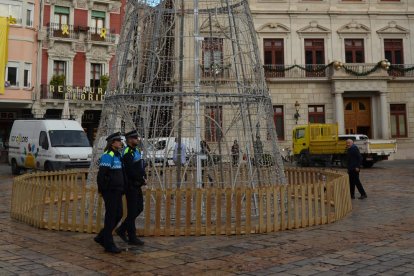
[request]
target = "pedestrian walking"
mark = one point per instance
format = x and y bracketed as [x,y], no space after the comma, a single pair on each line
[235,152]
[135,178]
[354,163]
[111,186]
[179,155]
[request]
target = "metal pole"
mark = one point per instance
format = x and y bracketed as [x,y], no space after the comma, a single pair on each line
[197,39]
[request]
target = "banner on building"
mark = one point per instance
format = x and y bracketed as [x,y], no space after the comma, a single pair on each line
[4,34]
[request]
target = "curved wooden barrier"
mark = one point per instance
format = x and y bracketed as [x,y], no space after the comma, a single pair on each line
[62,201]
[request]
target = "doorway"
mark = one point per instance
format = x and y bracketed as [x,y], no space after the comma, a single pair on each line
[358,116]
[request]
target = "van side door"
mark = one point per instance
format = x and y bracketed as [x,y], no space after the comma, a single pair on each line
[44,147]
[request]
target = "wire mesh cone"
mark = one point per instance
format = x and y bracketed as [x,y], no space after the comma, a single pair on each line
[188,76]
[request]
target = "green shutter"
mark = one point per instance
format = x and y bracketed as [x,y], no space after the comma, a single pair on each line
[98,14]
[61,10]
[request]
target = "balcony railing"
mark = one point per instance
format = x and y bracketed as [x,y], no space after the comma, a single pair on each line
[401,70]
[62,31]
[215,72]
[101,34]
[62,92]
[297,71]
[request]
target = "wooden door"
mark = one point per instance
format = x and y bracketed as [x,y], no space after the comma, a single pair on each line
[357,116]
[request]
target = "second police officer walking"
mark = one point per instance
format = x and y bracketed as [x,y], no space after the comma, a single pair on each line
[135,178]
[111,186]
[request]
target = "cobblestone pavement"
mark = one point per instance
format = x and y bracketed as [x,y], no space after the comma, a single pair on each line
[376,238]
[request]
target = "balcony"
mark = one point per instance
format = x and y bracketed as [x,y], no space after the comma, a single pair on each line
[100,35]
[72,93]
[401,70]
[56,30]
[296,71]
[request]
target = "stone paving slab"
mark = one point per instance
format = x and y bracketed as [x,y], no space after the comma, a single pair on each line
[377,238]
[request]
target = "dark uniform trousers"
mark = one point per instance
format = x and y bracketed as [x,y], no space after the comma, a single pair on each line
[113,215]
[135,205]
[354,181]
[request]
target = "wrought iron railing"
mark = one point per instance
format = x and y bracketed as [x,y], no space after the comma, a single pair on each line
[101,34]
[62,31]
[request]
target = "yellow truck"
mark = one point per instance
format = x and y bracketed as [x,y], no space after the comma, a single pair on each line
[320,143]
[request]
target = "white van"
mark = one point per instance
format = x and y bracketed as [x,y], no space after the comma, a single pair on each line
[48,145]
[162,148]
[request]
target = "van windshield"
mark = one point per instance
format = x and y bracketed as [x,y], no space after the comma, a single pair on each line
[68,138]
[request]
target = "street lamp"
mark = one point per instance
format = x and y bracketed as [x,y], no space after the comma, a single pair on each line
[297,115]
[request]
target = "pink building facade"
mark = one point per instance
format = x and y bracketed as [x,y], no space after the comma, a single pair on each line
[22,64]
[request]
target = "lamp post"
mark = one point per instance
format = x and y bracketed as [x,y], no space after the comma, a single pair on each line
[297,115]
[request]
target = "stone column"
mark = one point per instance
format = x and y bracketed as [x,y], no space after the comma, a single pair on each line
[339,111]
[385,125]
[38,112]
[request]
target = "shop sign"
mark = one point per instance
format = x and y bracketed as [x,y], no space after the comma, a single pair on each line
[84,93]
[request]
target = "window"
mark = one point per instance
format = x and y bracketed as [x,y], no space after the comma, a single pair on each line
[394,53]
[27,76]
[212,55]
[213,123]
[61,15]
[43,142]
[394,50]
[7,10]
[273,57]
[12,74]
[97,21]
[314,55]
[96,73]
[29,14]
[354,51]
[398,118]
[59,68]
[316,114]
[278,119]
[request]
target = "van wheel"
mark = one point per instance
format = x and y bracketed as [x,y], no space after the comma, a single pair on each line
[48,167]
[15,169]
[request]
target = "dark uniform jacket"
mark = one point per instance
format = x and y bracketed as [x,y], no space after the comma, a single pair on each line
[110,174]
[134,167]
[354,158]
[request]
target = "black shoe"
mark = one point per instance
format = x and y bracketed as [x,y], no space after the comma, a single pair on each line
[121,234]
[362,197]
[99,240]
[135,241]
[113,249]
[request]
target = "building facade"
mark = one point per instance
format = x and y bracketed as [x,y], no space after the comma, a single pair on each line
[77,45]
[20,77]
[324,62]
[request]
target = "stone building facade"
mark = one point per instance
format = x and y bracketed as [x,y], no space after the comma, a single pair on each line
[337,47]
[77,41]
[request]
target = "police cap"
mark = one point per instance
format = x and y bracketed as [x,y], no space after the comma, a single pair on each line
[114,136]
[131,134]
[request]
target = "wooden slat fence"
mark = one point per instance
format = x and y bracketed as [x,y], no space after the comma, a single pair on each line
[62,201]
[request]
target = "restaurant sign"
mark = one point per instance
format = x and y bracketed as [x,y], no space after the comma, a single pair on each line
[69,92]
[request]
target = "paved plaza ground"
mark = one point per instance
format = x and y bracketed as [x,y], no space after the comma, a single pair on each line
[377,238]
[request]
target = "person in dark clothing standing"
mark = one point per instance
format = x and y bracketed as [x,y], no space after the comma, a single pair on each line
[354,163]
[111,186]
[135,173]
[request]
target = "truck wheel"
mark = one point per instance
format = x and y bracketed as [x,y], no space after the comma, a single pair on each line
[304,160]
[344,162]
[14,168]
[367,164]
[48,167]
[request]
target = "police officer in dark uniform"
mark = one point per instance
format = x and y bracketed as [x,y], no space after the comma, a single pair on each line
[135,173]
[111,186]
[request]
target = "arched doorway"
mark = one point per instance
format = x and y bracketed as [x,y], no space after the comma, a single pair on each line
[357,116]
